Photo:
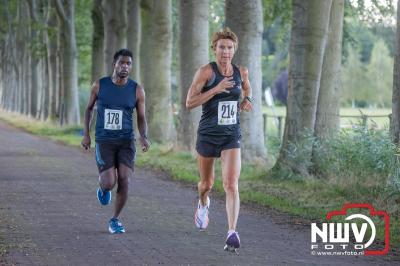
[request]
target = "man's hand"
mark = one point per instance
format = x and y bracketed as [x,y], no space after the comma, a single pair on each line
[145,143]
[86,142]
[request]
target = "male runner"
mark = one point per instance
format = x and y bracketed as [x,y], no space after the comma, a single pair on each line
[117,97]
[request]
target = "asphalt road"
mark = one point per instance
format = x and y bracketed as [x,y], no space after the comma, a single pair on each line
[49,215]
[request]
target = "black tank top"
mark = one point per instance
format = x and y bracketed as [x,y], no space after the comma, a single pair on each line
[220,114]
[115,105]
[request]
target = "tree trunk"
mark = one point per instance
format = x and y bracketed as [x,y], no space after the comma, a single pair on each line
[310,22]
[193,53]
[395,119]
[97,41]
[39,86]
[156,49]
[26,75]
[245,18]
[34,61]
[2,66]
[327,122]
[393,181]
[69,61]
[328,119]
[115,24]
[10,68]
[22,35]
[51,44]
[133,36]
[60,103]
[145,39]
[46,88]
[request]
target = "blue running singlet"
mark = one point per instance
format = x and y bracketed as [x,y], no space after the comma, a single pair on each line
[115,106]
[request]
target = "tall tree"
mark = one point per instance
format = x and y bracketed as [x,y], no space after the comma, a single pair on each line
[115,24]
[34,58]
[69,78]
[45,95]
[20,46]
[133,35]
[51,44]
[310,21]
[40,86]
[328,107]
[24,13]
[327,121]
[354,78]
[97,41]
[9,68]
[245,18]
[193,53]
[380,74]
[156,49]
[395,121]
[60,104]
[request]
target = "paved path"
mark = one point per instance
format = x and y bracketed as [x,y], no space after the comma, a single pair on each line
[49,215]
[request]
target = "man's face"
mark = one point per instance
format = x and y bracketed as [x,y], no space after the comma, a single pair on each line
[224,50]
[123,66]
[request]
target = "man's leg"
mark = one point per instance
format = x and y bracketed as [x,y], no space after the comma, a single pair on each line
[124,175]
[105,153]
[107,179]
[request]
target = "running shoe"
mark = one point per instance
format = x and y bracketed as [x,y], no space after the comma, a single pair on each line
[232,242]
[104,197]
[115,226]
[201,215]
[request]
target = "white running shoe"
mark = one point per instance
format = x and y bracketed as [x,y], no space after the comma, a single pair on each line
[201,215]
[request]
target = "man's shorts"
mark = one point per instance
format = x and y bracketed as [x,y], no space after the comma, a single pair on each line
[112,153]
[212,146]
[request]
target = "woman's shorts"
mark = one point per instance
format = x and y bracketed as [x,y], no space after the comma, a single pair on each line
[212,146]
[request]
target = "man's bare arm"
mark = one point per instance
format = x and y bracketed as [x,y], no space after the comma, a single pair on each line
[88,114]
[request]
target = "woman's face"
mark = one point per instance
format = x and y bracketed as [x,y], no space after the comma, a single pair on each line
[224,50]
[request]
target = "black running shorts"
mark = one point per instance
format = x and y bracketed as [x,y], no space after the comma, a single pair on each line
[212,146]
[112,153]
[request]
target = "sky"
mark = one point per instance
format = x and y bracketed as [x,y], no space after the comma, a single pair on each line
[373,14]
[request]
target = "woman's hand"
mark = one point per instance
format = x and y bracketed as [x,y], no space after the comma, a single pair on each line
[246,105]
[224,85]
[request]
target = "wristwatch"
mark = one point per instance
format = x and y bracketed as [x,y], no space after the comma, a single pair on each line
[249,99]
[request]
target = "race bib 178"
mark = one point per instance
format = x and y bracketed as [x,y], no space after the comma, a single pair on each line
[112,119]
[227,113]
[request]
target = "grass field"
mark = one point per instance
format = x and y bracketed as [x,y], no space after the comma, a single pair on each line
[309,198]
[345,121]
